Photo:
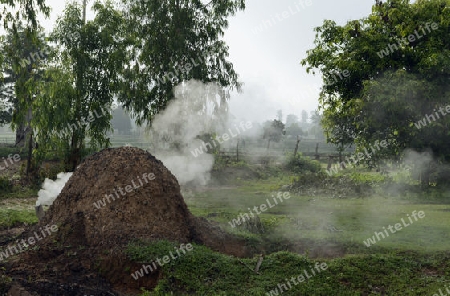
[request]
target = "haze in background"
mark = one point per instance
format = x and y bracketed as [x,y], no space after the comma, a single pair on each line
[197,109]
[268,61]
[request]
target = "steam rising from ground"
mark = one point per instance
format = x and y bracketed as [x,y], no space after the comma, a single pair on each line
[51,189]
[197,109]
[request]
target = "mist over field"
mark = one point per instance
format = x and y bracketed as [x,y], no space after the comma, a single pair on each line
[232,147]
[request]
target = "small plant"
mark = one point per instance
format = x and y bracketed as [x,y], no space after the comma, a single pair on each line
[300,164]
[5,184]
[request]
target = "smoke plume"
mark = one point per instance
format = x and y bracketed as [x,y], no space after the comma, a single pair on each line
[51,189]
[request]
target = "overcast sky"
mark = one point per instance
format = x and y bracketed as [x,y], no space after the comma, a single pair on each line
[267,42]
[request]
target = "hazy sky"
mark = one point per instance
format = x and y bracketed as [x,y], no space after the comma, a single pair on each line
[267,42]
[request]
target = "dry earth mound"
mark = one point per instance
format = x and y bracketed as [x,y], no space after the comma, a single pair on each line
[114,196]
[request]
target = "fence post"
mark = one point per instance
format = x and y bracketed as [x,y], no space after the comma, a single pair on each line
[237,150]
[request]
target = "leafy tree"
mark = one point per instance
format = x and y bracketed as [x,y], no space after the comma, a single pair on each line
[280,115]
[273,131]
[6,96]
[24,51]
[290,119]
[316,125]
[27,10]
[175,41]
[294,130]
[81,82]
[399,63]
[304,117]
[14,12]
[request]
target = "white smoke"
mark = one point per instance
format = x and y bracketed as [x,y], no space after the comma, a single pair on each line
[197,109]
[51,189]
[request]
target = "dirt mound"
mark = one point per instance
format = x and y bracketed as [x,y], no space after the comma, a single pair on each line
[123,193]
[114,197]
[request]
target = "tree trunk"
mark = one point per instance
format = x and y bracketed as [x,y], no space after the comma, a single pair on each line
[296,146]
[74,153]
[30,154]
[237,151]
[29,133]
[21,136]
[317,156]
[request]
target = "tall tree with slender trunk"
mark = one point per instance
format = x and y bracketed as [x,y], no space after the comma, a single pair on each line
[173,41]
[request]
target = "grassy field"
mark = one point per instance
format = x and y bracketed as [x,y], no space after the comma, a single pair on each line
[346,221]
[203,272]
[412,261]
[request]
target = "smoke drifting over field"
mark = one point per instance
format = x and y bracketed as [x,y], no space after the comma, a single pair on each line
[197,109]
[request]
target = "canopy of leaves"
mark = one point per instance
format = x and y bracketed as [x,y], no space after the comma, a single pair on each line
[398,60]
[75,98]
[274,130]
[171,42]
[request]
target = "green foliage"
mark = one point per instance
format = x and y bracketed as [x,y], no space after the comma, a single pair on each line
[178,41]
[50,170]
[27,10]
[5,184]
[294,130]
[75,100]
[382,97]
[205,272]
[221,162]
[300,164]
[12,218]
[368,178]
[274,130]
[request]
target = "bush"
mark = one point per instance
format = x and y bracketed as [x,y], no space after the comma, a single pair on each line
[300,164]
[5,184]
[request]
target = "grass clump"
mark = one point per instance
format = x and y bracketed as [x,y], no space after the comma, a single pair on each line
[205,272]
[11,217]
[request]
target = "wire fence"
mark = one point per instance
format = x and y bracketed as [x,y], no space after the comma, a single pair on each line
[309,147]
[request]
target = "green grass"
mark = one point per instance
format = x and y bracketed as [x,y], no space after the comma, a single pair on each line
[15,217]
[312,217]
[413,261]
[5,151]
[19,192]
[205,272]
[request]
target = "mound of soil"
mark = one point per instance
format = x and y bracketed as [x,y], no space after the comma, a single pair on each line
[114,197]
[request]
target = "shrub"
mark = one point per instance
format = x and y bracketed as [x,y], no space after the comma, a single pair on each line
[5,184]
[300,164]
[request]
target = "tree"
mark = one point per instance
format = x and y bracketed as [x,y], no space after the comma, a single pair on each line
[5,112]
[27,10]
[81,82]
[6,97]
[304,117]
[398,65]
[273,131]
[13,18]
[172,42]
[280,115]
[14,12]
[22,66]
[294,130]
[290,119]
